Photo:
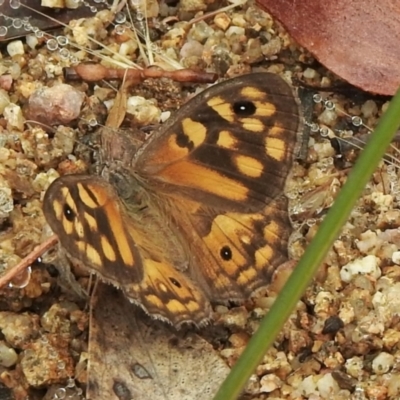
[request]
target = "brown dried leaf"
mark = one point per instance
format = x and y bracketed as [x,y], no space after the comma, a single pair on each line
[118,111]
[133,357]
[357,40]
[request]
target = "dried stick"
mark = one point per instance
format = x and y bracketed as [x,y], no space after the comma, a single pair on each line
[28,260]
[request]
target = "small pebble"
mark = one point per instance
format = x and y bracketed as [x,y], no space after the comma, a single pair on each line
[191,48]
[323,304]
[394,386]
[6,82]
[200,32]
[32,41]
[269,383]
[253,385]
[310,73]
[327,386]
[307,387]
[328,117]
[368,242]
[354,367]
[127,48]
[144,111]
[236,317]
[222,21]
[16,47]
[59,364]
[54,3]
[382,363]
[14,117]
[56,105]
[376,392]
[388,301]
[86,28]
[272,48]
[18,329]
[369,109]
[396,257]
[238,20]
[6,201]
[8,356]
[192,5]
[234,30]
[368,265]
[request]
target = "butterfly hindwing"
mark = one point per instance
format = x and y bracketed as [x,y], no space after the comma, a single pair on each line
[236,253]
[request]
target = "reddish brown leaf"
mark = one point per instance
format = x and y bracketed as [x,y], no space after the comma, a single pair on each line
[356,39]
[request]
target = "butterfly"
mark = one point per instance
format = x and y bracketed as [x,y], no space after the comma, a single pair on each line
[197,214]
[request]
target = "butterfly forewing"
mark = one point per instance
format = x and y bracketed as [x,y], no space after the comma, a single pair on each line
[86,216]
[232,146]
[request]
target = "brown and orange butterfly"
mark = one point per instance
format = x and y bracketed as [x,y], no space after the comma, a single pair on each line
[196,215]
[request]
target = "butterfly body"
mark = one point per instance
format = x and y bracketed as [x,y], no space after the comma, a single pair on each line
[197,214]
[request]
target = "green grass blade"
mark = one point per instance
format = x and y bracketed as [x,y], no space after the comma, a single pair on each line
[314,254]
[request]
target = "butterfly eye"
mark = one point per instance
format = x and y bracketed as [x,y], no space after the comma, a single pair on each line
[226,253]
[69,213]
[244,108]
